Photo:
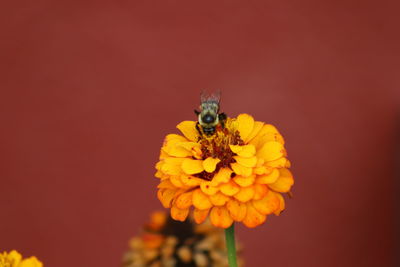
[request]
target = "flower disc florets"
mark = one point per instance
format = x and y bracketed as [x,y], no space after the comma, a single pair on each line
[236,174]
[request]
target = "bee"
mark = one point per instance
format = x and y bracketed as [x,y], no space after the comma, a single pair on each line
[208,116]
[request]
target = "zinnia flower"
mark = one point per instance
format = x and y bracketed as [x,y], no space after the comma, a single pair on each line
[14,259]
[236,174]
[166,242]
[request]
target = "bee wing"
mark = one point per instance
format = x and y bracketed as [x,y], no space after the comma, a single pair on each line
[214,97]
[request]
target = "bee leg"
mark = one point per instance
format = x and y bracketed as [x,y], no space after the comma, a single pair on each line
[196,112]
[198,129]
[222,118]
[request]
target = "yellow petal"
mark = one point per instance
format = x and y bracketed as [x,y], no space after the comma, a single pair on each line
[268,178]
[188,128]
[179,214]
[166,184]
[171,166]
[220,217]
[193,147]
[245,151]
[281,204]
[244,181]
[184,201]
[201,200]
[245,125]
[223,176]
[200,215]
[253,217]
[246,162]
[236,209]
[176,181]
[256,129]
[192,166]
[267,128]
[241,170]
[166,196]
[207,188]
[245,194]
[218,199]
[209,164]
[173,149]
[230,188]
[268,204]
[284,182]
[30,262]
[279,163]
[271,151]
[260,191]
[190,181]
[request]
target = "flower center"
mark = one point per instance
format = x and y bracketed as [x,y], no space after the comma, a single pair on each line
[217,146]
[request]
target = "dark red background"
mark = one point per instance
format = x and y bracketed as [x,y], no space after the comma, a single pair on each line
[89,90]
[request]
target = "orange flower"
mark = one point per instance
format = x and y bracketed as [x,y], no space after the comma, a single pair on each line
[236,174]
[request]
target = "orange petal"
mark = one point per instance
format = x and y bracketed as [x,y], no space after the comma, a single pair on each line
[246,162]
[179,214]
[268,204]
[236,209]
[267,128]
[256,129]
[190,181]
[166,184]
[176,181]
[209,164]
[200,215]
[207,188]
[230,188]
[220,217]
[174,150]
[281,204]
[166,196]
[241,170]
[245,125]
[245,194]
[184,201]
[244,181]
[192,166]
[261,191]
[172,166]
[201,200]
[268,178]
[284,182]
[271,151]
[253,217]
[223,176]
[188,128]
[218,199]
[245,151]
[279,163]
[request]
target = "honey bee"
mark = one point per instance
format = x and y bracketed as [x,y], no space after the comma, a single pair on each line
[208,116]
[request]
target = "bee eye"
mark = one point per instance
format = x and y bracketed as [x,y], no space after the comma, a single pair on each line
[208,118]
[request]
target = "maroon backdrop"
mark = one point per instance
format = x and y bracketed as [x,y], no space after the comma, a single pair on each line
[89,89]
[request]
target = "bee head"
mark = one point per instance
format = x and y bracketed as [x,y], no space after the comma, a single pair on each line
[208,118]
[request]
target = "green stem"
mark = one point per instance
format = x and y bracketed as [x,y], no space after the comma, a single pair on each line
[230,245]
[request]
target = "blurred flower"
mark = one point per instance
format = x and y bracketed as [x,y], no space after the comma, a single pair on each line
[14,259]
[166,242]
[236,174]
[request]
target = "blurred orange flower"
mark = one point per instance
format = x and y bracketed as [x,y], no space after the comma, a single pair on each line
[236,174]
[14,259]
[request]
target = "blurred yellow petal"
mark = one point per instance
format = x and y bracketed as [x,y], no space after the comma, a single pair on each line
[184,201]
[207,188]
[253,218]
[166,196]
[284,182]
[246,162]
[244,181]
[209,164]
[223,176]
[268,204]
[245,151]
[200,200]
[241,170]
[271,151]
[200,215]
[188,128]
[192,166]
[230,188]
[218,199]
[179,214]
[220,217]
[245,194]
[268,178]
[236,209]
[245,125]
[30,262]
